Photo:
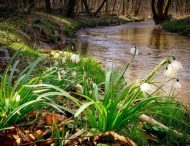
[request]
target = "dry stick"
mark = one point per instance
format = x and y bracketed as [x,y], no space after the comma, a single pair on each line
[121,138]
[153,122]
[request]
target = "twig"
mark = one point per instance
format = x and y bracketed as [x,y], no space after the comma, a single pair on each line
[153,122]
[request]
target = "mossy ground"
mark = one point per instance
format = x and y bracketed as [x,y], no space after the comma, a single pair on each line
[181,26]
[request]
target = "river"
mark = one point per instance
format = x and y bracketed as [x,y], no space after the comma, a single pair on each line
[111,45]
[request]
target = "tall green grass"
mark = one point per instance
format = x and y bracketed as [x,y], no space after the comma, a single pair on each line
[18,96]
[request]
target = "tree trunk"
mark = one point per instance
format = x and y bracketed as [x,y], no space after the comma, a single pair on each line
[160,10]
[100,7]
[123,9]
[137,8]
[48,5]
[167,7]
[71,8]
[114,4]
[86,7]
[31,5]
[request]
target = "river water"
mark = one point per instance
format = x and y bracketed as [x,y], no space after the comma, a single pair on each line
[111,45]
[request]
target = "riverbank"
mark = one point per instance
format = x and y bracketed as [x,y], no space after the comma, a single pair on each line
[48,30]
[180,26]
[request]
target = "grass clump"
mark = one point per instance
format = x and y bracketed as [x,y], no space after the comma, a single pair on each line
[48,29]
[117,107]
[81,65]
[18,96]
[178,26]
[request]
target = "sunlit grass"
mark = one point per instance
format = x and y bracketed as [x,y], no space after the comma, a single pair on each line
[11,37]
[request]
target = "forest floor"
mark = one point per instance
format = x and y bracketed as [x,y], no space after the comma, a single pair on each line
[180,26]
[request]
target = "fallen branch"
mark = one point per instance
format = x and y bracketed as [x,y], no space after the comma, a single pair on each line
[153,122]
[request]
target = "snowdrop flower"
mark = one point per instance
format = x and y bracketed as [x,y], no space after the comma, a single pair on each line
[56,63]
[75,58]
[78,88]
[67,54]
[170,71]
[56,55]
[177,84]
[63,60]
[134,51]
[145,87]
[176,65]
[17,98]
[73,74]
[172,68]
[52,53]
[63,72]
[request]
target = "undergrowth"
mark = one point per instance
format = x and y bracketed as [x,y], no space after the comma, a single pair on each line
[181,26]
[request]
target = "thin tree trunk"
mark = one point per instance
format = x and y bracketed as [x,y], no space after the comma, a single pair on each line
[167,7]
[114,4]
[71,8]
[100,7]
[48,5]
[123,10]
[137,8]
[86,7]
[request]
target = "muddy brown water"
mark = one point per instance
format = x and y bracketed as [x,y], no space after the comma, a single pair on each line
[111,45]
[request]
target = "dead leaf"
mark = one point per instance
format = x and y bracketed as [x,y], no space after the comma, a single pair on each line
[51,119]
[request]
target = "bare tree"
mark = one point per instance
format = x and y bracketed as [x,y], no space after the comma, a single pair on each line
[70,12]
[160,10]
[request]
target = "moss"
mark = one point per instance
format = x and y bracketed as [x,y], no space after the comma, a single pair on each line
[48,29]
[11,28]
[69,31]
[26,50]
[181,26]
[15,39]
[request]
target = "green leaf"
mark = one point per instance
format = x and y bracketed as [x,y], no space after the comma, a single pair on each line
[82,108]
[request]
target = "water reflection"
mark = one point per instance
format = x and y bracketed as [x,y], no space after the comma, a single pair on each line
[112,45]
[159,41]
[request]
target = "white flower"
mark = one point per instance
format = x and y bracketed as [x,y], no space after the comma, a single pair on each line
[17,98]
[63,60]
[173,68]
[170,71]
[78,88]
[177,84]
[134,51]
[176,65]
[63,72]
[56,63]
[145,87]
[75,58]
[56,55]
[67,54]
[74,74]
[52,53]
